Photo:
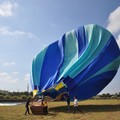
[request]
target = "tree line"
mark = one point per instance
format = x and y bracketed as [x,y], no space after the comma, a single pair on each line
[6,95]
[107,96]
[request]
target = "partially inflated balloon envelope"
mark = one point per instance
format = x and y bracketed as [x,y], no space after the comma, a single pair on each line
[82,63]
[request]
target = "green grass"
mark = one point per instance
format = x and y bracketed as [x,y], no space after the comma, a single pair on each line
[92,110]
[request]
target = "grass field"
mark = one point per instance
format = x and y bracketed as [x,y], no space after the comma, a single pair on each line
[92,110]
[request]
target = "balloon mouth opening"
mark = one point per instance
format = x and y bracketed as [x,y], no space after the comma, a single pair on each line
[47,96]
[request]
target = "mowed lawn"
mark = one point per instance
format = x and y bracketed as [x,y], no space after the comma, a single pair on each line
[91,110]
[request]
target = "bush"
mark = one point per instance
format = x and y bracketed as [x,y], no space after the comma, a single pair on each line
[15,97]
[7,97]
[1,97]
[23,97]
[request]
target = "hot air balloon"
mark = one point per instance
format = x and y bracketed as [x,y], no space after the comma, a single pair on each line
[82,62]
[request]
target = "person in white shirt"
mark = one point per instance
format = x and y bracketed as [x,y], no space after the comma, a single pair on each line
[75,107]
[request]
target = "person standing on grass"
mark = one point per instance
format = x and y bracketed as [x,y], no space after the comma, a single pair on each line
[27,106]
[46,106]
[67,98]
[75,107]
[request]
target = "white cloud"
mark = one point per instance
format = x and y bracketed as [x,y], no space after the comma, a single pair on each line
[6,8]
[16,33]
[13,80]
[15,73]
[2,74]
[27,77]
[9,64]
[118,40]
[5,77]
[114,21]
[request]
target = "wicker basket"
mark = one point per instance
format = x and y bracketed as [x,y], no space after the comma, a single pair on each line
[38,109]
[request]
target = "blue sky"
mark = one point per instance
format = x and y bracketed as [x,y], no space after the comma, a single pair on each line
[27,26]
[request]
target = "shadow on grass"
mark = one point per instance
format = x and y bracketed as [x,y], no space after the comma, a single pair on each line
[88,108]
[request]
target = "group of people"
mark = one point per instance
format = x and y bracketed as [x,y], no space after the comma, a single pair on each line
[44,103]
[75,104]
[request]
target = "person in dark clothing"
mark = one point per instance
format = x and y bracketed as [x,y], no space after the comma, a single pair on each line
[45,106]
[27,106]
[67,98]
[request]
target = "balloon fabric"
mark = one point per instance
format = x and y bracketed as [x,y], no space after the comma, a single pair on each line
[82,62]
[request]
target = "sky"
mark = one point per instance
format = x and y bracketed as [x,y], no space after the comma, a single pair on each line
[27,26]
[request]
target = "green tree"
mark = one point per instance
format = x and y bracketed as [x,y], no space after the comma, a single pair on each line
[1,97]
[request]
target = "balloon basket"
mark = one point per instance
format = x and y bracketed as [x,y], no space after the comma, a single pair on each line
[38,109]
